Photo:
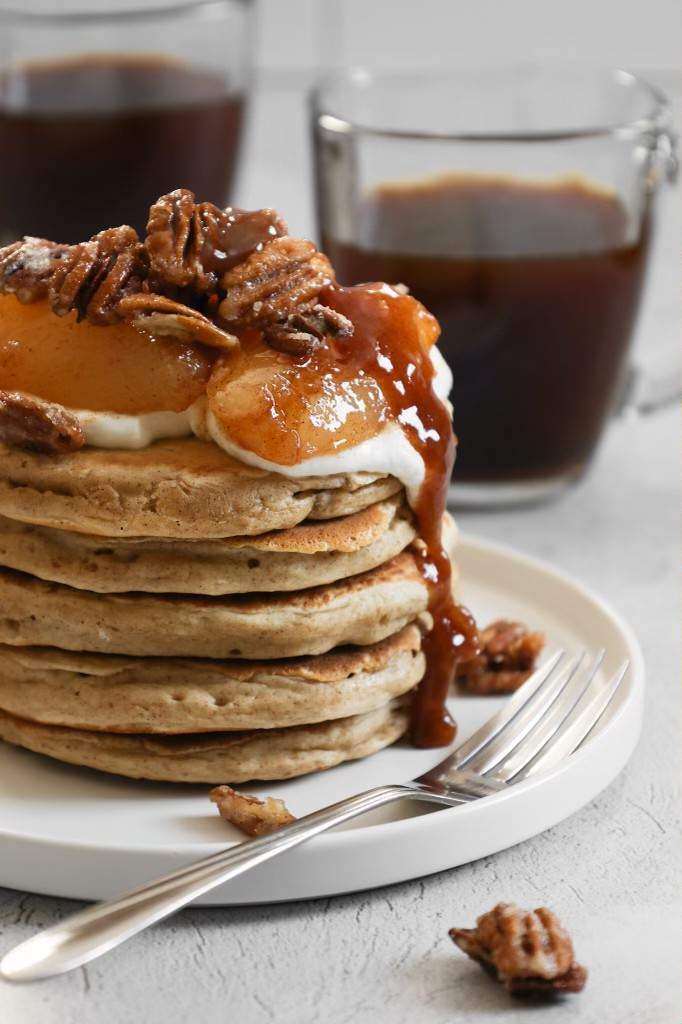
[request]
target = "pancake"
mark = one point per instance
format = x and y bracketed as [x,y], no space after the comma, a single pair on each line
[171,695]
[307,555]
[361,610]
[219,757]
[186,489]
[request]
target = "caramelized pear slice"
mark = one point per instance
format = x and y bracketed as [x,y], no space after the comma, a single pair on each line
[115,368]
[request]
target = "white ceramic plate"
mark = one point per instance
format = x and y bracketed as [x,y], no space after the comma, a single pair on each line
[69,831]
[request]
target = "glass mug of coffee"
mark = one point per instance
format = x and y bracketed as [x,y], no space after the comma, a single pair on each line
[517,204]
[105,107]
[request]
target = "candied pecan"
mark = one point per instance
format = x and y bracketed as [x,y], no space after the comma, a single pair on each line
[284,338]
[507,658]
[528,951]
[270,284]
[190,245]
[253,816]
[93,276]
[302,331]
[27,266]
[167,241]
[38,426]
[165,317]
[322,321]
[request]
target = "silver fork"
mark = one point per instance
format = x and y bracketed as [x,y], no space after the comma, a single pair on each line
[538,727]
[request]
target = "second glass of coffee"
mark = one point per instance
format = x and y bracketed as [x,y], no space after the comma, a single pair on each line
[517,205]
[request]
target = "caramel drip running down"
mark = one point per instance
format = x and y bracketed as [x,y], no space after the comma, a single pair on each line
[390,343]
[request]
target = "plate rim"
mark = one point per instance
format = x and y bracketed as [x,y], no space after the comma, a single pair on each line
[368,833]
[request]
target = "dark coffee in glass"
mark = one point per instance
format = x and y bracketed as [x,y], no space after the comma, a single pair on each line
[105,107]
[517,203]
[536,289]
[96,140]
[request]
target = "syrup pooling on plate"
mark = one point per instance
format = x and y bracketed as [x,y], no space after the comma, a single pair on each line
[288,409]
[114,369]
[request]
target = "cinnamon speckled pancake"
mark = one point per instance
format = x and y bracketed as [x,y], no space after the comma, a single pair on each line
[361,610]
[172,695]
[307,555]
[183,488]
[215,757]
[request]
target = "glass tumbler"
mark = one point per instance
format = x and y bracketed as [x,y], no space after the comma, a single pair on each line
[516,202]
[105,107]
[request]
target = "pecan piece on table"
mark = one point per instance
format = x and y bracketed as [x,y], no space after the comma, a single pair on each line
[26,267]
[249,814]
[37,425]
[163,317]
[302,331]
[190,245]
[529,952]
[270,284]
[93,276]
[507,658]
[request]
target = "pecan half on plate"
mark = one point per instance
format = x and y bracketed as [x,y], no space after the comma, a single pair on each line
[508,654]
[252,816]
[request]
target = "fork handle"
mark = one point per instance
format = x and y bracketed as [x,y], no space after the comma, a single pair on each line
[99,928]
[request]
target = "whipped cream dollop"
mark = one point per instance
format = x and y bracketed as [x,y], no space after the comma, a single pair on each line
[120,430]
[388,451]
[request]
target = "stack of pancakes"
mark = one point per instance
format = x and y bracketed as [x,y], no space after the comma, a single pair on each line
[173,614]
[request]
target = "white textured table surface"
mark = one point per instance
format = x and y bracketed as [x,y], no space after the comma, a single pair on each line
[613,872]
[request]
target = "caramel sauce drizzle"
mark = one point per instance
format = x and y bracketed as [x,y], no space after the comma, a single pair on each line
[239,233]
[391,344]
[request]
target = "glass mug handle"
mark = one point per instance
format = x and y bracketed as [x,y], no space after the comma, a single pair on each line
[644,391]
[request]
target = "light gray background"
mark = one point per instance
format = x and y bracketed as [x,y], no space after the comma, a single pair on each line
[308,33]
[613,871]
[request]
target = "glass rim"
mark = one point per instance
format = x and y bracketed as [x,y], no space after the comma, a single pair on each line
[136,12]
[655,122]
